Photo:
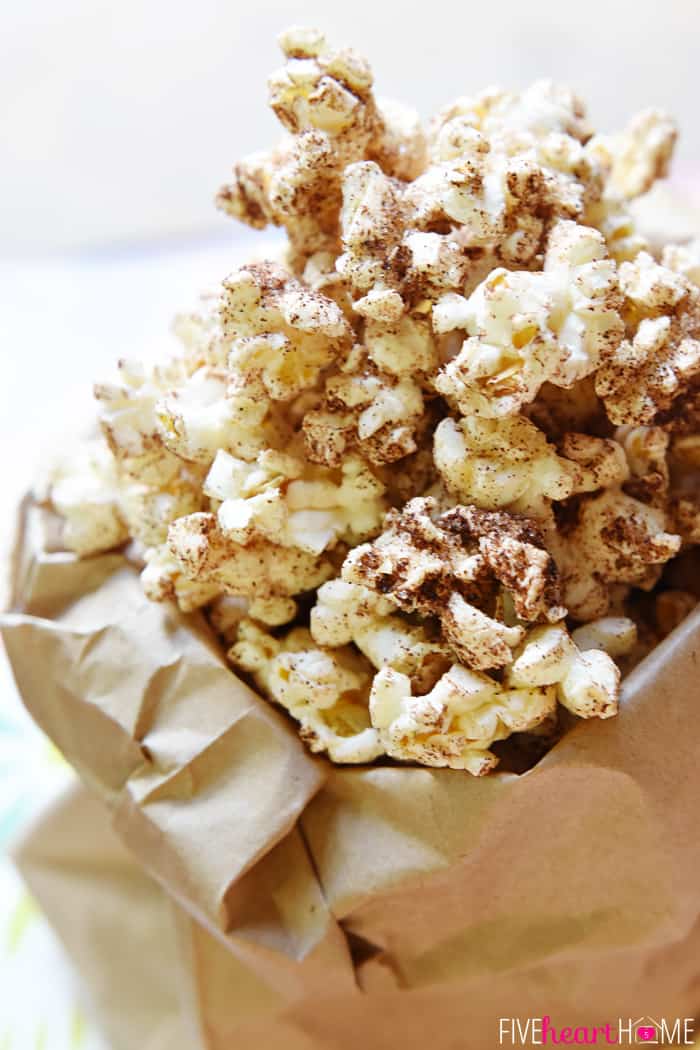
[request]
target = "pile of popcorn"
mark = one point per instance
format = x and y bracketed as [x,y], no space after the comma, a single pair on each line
[424,472]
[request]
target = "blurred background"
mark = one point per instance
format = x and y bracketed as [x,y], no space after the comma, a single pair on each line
[118,121]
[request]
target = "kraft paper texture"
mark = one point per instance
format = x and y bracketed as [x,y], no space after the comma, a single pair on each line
[277,901]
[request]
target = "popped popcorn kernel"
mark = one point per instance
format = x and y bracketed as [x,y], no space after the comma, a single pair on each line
[283,499]
[323,98]
[646,452]
[280,331]
[456,723]
[348,612]
[342,609]
[148,509]
[199,333]
[389,259]
[163,580]
[206,413]
[401,148]
[656,369]
[524,329]
[594,462]
[83,489]
[507,166]
[684,259]
[226,612]
[451,566]
[260,567]
[367,411]
[326,691]
[614,635]
[587,682]
[499,463]
[273,610]
[129,420]
[613,218]
[640,155]
[614,538]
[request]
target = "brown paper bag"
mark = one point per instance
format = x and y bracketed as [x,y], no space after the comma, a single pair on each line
[115,922]
[326,907]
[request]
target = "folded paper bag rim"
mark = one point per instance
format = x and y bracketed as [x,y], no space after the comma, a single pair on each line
[438,875]
[204,997]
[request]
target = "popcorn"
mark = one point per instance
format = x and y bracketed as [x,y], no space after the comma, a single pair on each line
[326,692]
[587,682]
[684,259]
[129,420]
[343,610]
[650,287]
[456,723]
[509,463]
[464,407]
[402,149]
[163,580]
[646,451]
[685,513]
[259,568]
[295,186]
[279,330]
[83,489]
[434,567]
[525,329]
[148,510]
[226,612]
[206,414]
[614,220]
[651,372]
[614,635]
[388,258]
[631,162]
[413,649]
[640,155]
[364,410]
[477,638]
[273,610]
[371,223]
[324,90]
[613,539]
[323,98]
[403,350]
[544,109]
[199,333]
[594,462]
[347,612]
[282,499]
[507,166]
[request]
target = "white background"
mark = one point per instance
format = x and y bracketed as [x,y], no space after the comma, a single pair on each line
[119,118]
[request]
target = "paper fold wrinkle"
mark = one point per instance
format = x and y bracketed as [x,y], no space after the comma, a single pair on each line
[572,887]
